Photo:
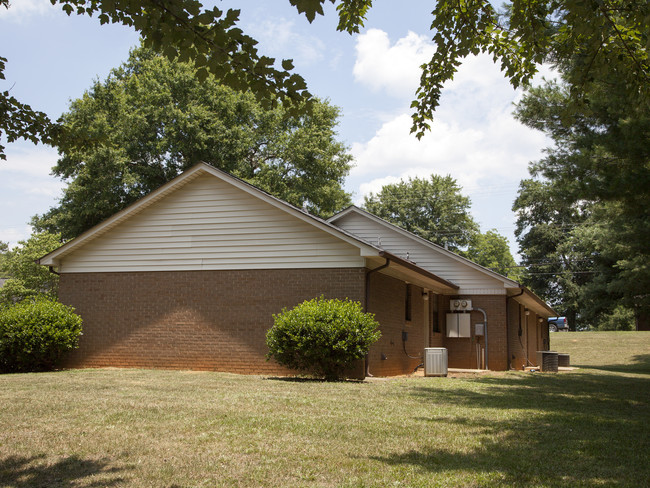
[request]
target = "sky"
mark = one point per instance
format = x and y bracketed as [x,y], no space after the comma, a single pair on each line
[372,76]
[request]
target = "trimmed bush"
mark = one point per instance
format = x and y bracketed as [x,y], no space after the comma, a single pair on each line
[323,337]
[35,334]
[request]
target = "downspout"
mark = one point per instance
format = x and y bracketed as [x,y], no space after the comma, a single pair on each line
[365,307]
[485,327]
[508,321]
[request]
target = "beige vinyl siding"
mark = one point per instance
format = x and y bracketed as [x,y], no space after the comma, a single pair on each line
[210,224]
[469,279]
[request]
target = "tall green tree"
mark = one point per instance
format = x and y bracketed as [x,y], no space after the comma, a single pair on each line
[599,35]
[25,277]
[151,119]
[432,208]
[491,250]
[183,30]
[551,244]
[598,167]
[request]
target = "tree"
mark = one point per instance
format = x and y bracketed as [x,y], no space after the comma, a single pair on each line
[433,209]
[26,278]
[183,30]
[555,256]
[4,249]
[598,173]
[596,35]
[151,119]
[491,250]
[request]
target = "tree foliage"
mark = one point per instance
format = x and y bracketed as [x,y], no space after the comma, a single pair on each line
[595,36]
[591,193]
[151,119]
[491,250]
[26,278]
[432,208]
[321,336]
[182,30]
[35,334]
[556,259]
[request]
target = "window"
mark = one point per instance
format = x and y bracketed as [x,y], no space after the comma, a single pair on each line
[434,324]
[408,306]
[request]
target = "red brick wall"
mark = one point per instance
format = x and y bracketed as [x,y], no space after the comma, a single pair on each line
[217,320]
[534,336]
[201,320]
[387,301]
[463,351]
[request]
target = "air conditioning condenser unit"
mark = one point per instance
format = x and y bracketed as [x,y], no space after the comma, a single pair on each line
[435,361]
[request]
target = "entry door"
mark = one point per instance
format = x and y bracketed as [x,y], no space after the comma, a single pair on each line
[531,336]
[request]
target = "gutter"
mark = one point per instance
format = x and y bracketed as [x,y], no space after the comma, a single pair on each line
[522,290]
[367,297]
[414,267]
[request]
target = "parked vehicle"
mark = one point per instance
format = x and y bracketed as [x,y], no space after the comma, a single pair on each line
[558,323]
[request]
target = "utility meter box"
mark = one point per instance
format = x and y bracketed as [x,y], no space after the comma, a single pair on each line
[458,325]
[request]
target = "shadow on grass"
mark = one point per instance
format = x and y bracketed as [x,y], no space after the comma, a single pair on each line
[308,379]
[576,430]
[35,471]
[640,365]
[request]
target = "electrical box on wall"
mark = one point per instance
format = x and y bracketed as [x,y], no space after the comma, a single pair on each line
[458,325]
[479,329]
[460,305]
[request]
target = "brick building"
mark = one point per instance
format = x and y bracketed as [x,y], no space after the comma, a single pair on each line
[189,276]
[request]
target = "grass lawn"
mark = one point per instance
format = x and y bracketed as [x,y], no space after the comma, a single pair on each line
[142,428]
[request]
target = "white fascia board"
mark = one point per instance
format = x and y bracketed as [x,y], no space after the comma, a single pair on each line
[507,282]
[52,259]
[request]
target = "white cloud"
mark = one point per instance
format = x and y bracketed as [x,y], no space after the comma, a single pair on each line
[21,10]
[14,234]
[277,36]
[474,136]
[502,147]
[26,188]
[394,69]
[29,161]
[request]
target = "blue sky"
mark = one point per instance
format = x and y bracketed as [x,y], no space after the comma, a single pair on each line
[372,77]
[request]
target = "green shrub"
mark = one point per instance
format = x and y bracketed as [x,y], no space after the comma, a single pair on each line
[34,334]
[323,337]
[621,318]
